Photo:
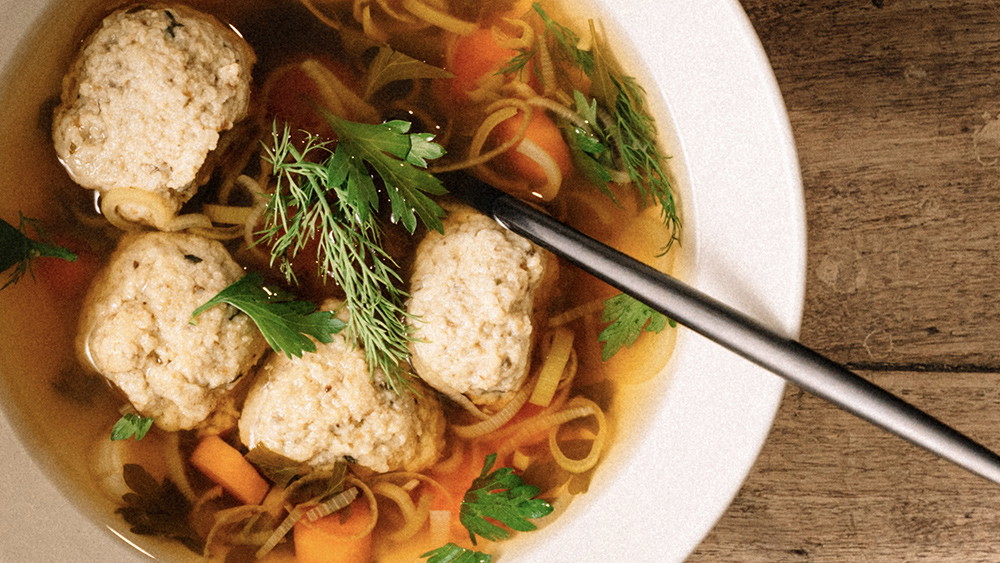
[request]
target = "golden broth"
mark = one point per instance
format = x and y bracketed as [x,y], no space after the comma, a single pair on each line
[64,414]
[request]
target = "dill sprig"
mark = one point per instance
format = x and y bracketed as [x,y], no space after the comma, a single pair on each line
[324,192]
[620,123]
[18,251]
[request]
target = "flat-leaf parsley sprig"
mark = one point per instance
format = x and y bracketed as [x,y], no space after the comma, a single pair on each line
[453,553]
[325,192]
[628,318]
[284,322]
[500,496]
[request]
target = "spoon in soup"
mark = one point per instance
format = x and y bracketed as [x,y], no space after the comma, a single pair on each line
[733,329]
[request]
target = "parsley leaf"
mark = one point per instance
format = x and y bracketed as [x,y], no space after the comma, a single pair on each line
[501,496]
[452,553]
[18,251]
[629,318]
[283,322]
[129,425]
[390,65]
[326,192]
[157,509]
[398,158]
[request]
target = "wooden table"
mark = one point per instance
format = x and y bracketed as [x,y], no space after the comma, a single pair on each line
[895,113]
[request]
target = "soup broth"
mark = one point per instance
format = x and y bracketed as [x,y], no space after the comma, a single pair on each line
[66,412]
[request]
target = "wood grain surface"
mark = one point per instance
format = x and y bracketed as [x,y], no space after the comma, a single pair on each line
[895,106]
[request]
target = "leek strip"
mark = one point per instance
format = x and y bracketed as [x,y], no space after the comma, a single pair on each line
[335,92]
[134,200]
[553,176]
[188,221]
[525,41]
[175,465]
[543,422]
[227,214]
[400,16]
[413,518]
[281,531]
[335,503]
[326,20]
[546,69]
[553,368]
[438,18]
[495,421]
[477,158]
[584,310]
[582,407]
[454,459]
[369,27]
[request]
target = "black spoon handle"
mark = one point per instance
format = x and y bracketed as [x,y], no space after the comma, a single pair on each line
[732,329]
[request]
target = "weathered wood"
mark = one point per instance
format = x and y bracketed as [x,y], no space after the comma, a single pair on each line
[903,218]
[896,114]
[828,487]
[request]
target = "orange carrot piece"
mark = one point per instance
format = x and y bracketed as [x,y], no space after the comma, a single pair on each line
[225,465]
[543,132]
[475,56]
[334,538]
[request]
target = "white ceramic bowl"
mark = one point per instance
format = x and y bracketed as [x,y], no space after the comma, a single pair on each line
[664,484]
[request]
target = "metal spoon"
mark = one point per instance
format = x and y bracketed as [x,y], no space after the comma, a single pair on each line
[732,329]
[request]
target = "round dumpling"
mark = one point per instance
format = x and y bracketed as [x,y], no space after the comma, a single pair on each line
[136,329]
[324,407]
[146,98]
[472,296]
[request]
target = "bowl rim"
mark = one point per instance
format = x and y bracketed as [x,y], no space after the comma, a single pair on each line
[714,136]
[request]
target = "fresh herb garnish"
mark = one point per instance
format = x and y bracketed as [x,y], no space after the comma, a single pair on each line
[326,192]
[157,509]
[389,65]
[452,553]
[283,321]
[277,468]
[500,496]
[131,425]
[18,251]
[628,132]
[629,317]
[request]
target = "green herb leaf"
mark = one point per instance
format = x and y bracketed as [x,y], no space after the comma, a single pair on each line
[279,469]
[629,318]
[157,509]
[18,251]
[503,497]
[452,553]
[623,124]
[283,321]
[397,157]
[327,192]
[390,65]
[130,425]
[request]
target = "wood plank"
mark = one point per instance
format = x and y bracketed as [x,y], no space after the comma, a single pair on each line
[886,105]
[828,487]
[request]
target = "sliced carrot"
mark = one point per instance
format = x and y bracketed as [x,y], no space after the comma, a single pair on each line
[225,465]
[544,133]
[473,57]
[335,538]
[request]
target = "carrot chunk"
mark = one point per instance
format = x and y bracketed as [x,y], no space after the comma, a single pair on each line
[335,538]
[226,466]
[544,133]
[474,57]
